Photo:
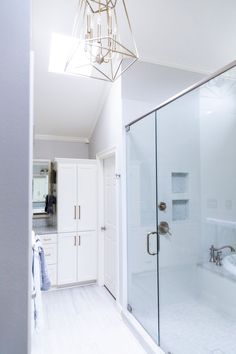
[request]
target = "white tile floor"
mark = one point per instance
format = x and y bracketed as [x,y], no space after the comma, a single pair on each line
[83,320]
[196,327]
[189,324]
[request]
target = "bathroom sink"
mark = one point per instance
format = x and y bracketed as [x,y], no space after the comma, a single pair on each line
[229,263]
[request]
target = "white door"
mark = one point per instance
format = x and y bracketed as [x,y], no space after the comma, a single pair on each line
[110,237]
[87,198]
[67,197]
[87,256]
[67,258]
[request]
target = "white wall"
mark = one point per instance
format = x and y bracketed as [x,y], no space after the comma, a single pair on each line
[107,132]
[218,169]
[141,88]
[49,150]
[145,86]
[15,177]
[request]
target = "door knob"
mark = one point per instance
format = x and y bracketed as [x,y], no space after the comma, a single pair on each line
[103,228]
[164,228]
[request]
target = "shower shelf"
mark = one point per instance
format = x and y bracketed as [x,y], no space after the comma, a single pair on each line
[179,182]
[221,222]
[180,209]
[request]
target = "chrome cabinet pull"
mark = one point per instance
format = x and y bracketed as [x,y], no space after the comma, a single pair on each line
[75,242]
[47,239]
[79,212]
[148,243]
[75,212]
[79,241]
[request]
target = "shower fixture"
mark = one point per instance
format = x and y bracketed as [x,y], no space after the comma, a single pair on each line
[216,253]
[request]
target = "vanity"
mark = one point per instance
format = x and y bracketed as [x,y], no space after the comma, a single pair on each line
[69,233]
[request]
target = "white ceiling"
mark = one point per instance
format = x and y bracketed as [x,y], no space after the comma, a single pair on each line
[197,35]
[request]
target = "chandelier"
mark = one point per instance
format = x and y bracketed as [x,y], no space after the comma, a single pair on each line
[104,47]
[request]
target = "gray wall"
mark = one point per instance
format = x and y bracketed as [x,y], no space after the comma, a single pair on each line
[44,149]
[15,176]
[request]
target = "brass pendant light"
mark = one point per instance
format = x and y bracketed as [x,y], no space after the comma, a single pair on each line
[105,45]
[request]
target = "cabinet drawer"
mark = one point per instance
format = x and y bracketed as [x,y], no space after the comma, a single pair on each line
[50,252]
[52,273]
[49,238]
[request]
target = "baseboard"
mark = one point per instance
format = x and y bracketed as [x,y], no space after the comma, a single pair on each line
[72,285]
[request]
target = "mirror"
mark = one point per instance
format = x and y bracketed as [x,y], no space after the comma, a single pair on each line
[41,185]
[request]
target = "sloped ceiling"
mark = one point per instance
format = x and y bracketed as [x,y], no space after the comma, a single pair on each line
[195,35]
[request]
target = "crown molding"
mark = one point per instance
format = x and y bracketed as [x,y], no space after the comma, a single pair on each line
[71,139]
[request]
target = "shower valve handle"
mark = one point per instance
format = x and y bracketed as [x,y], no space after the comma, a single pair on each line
[164,228]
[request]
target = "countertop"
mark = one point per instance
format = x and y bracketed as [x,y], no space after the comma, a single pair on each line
[44,230]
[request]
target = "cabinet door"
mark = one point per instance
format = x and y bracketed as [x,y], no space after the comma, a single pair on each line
[67,259]
[87,197]
[67,197]
[87,256]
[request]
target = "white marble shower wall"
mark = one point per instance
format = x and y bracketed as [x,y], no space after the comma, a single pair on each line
[178,169]
[218,167]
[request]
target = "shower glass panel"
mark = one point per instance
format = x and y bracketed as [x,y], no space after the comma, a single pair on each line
[182,171]
[142,221]
[196,146]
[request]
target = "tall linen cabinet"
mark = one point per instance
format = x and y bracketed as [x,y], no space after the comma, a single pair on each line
[76,221]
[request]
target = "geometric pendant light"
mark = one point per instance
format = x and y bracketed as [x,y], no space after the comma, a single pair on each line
[104,45]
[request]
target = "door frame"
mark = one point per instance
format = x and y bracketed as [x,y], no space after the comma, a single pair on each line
[101,156]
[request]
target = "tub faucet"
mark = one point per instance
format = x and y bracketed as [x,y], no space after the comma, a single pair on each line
[215,254]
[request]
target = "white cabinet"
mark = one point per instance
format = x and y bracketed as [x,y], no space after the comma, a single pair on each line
[87,197]
[87,256]
[49,243]
[67,259]
[76,220]
[76,195]
[77,257]
[66,197]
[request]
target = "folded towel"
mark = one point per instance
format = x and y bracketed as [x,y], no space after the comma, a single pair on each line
[45,281]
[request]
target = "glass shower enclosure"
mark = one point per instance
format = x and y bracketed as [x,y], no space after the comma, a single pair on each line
[181,219]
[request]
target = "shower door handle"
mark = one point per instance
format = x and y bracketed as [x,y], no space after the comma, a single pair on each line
[148,243]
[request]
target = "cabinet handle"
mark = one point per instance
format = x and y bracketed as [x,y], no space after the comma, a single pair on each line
[75,212]
[79,241]
[79,207]
[75,241]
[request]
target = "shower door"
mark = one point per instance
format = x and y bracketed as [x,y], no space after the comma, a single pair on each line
[142,224]
[179,215]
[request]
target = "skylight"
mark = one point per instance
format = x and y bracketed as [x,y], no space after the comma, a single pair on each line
[61,49]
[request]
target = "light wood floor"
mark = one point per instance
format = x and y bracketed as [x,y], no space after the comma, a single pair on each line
[83,320]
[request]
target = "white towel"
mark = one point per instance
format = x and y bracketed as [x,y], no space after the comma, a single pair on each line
[37,306]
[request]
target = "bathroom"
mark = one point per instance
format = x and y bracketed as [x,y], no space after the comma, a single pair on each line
[129,186]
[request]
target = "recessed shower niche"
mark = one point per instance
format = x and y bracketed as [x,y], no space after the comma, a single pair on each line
[180,210]
[179,182]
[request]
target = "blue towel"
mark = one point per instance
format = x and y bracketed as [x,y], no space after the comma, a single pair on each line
[45,281]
